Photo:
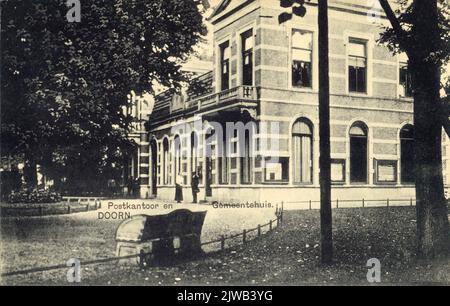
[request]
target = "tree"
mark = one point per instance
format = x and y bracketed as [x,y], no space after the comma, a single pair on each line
[326,226]
[64,84]
[421,29]
[325,146]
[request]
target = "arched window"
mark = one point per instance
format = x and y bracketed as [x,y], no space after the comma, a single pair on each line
[210,148]
[245,145]
[154,166]
[407,154]
[223,157]
[177,155]
[194,152]
[165,165]
[302,140]
[133,164]
[358,153]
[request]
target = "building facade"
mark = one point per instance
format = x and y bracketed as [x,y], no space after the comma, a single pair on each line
[249,128]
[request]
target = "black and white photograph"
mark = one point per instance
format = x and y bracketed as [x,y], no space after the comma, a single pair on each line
[225,144]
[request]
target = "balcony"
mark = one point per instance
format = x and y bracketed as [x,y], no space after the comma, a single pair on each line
[171,107]
[236,94]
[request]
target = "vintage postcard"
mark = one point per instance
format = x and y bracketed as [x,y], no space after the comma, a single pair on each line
[225,143]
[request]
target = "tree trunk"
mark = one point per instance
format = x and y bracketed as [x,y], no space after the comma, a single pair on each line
[324,122]
[433,231]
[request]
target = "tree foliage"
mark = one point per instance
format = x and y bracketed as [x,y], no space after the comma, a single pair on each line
[407,21]
[64,84]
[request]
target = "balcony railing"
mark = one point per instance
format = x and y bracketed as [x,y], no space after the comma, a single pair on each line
[235,93]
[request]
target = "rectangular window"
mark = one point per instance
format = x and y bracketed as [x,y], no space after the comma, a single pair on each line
[338,170]
[276,170]
[223,168]
[405,85]
[357,66]
[247,43]
[302,43]
[386,171]
[225,54]
[223,162]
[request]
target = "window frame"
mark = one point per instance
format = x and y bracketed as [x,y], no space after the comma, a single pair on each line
[342,162]
[402,58]
[240,60]
[364,126]
[403,65]
[177,156]
[358,90]
[277,182]
[218,67]
[224,161]
[385,162]
[224,61]
[248,137]
[310,124]
[291,64]
[194,152]
[369,40]
[165,162]
[314,56]
[401,139]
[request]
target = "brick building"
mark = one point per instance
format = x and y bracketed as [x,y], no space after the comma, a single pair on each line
[249,127]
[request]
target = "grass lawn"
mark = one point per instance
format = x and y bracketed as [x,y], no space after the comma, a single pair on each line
[29,242]
[287,256]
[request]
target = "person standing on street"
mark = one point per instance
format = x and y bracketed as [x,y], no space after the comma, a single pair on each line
[130,186]
[136,187]
[194,185]
[179,189]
